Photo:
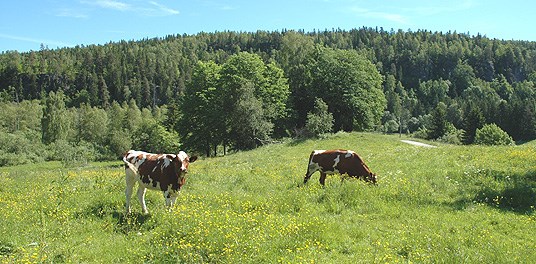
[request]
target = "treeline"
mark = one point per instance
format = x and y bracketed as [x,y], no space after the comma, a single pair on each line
[36,131]
[237,90]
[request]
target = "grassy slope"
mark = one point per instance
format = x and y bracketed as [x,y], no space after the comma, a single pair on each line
[448,204]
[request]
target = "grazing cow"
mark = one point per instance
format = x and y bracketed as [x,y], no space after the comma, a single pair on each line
[164,172]
[338,161]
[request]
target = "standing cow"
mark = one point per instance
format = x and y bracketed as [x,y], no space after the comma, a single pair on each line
[164,172]
[338,161]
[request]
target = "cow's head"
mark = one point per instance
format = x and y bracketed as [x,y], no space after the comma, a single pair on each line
[372,177]
[184,161]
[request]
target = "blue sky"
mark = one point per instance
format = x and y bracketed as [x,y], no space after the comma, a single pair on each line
[26,24]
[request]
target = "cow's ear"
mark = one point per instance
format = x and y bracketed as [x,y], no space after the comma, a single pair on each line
[193,158]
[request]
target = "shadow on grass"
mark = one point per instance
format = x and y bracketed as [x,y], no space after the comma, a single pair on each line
[6,248]
[517,192]
[131,222]
[298,141]
[124,223]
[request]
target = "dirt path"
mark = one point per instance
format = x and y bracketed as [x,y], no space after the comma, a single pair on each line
[418,144]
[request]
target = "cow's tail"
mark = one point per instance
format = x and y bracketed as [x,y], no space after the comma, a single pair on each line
[130,165]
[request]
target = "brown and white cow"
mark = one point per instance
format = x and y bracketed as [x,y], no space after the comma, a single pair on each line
[164,172]
[338,161]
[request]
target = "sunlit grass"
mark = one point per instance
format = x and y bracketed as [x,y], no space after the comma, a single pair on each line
[455,204]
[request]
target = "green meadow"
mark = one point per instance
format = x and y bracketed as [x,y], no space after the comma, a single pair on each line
[450,204]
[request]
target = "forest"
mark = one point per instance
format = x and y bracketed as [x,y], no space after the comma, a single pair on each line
[211,93]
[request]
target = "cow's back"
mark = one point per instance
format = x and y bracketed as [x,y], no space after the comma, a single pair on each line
[155,171]
[325,159]
[353,165]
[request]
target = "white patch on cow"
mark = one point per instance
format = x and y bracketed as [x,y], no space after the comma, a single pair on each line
[313,167]
[316,152]
[182,155]
[166,162]
[349,154]
[336,160]
[136,153]
[139,162]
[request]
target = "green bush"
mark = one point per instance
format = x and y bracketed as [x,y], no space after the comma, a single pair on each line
[21,147]
[72,154]
[391,126]
[421,133]
[491,134]
[320,120]
[152,137]
[119,142]
[453,135]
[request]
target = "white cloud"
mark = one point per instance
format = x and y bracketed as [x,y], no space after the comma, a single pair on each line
[163,10]
[111,4]
[69,12]
[46,42]
[145,8]
[228,7]
[363,12]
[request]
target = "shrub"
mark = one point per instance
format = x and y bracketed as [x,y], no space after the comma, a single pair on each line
[320,120]
[421,133]
[20,148]
[152,137]
[119,142]
[391,126]
[491,134]
[453,135]
[72,154]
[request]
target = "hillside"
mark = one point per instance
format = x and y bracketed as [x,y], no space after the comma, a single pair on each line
[238,90]
[447,204]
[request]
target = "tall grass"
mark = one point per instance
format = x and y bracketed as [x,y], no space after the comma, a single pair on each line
[454,204]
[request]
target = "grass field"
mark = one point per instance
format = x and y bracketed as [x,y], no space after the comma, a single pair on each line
[451,204]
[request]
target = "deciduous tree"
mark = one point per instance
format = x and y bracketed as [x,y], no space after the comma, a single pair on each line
[351,87]
[55,124]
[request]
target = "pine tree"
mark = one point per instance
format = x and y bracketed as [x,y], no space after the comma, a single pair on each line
[104,93]
[528,122]
[439,122]
[472,121]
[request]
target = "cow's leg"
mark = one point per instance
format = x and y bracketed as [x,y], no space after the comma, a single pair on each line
[322,178]
[168,197]
[170,200]
[130,182]
[141,197]
[173,200]
[307,176]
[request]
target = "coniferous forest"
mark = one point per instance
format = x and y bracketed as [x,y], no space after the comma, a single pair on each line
[211,93]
